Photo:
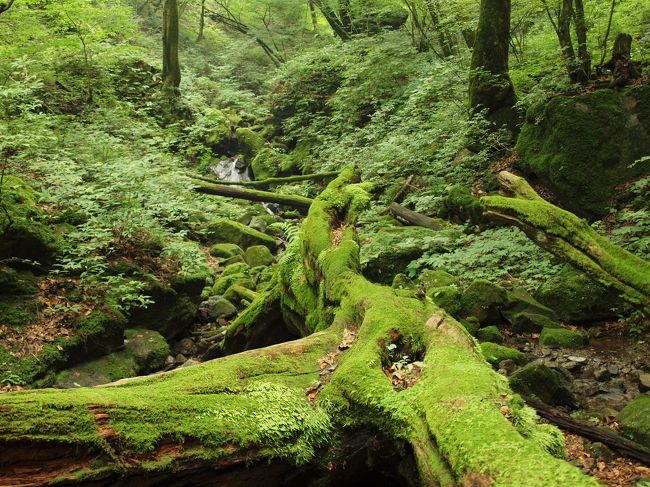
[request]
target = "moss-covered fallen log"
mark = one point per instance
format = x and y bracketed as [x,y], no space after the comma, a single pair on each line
[571,239]
[294,403]
[264,183]
[293,201]
[414,218]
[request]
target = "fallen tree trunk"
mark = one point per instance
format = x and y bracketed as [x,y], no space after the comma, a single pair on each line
[294,402]
[293,201]
[571,239]
[409,216]
[584,428]
[270,181]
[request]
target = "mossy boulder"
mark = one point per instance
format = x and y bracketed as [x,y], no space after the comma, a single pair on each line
[526,314]
[236,268]
[388,251]
[217,307]
[461,205]
[495,353]
[540,381]
[635,419]
[561,338]
[224,282]
[269,163]
[447,297]
[225,250]
[471,324]
[489,334]
[436,278]
[258,255]
[583,146]
[144,351]
[576,297]
[224,230]
[27,234]
[483,299]
[171,311]
[402,281]
[249,142]
[19,304]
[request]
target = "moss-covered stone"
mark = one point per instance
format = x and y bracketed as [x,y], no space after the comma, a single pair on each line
[224,282]
[225,250]
[228,231]
[495,353]
[249,142]
[258,255]
[583,146]
[269,163]
[447,297]
[237,268]
[437,278]
[526,314]
[144,351]
[541,382]
[490,334]
[576,297]
[635,419]
[402,281]
[28,235]
[461,205]
[471,324]
[218,307]
[18,300]
[483,299]
[561,338]
[388,251]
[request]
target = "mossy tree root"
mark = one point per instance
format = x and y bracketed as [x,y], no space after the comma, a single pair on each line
[571,239]
[287,402]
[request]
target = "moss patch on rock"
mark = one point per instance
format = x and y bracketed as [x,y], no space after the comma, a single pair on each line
[225,250]
[539,381]
[561,338]
[228,231]
[495,353]
[483,299]
[490,334]
[583,146]
[258,255]
[635,419]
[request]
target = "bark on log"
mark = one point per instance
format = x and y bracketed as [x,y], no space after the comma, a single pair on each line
[571,239]
[269,181]
[409,216]
[293,201]
[290,402]
[583,428]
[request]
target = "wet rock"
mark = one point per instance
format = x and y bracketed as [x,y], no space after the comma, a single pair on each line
[577,359]
[189,363]
[613,370]
[180,359]
[508,366]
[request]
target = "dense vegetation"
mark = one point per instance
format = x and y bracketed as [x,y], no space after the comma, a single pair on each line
[113,266]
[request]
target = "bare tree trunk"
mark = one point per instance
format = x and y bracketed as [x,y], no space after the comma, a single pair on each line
[314,16]
[490,86]
[199,38]
[584,68]
[171,68]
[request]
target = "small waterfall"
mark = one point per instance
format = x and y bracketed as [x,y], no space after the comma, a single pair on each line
[232,169]
[235,169]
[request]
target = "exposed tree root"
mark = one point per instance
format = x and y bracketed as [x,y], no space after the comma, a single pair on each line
[256,405]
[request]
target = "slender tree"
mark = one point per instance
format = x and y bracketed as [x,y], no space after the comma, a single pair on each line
[490,86]
[199,38]
[171,67]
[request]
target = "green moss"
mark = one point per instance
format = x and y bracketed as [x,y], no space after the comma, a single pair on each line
[224,282]
[635,419]
[28,235]
[495,353]
[583,146]
[238,268]
[576,297]
[228,231]
[483,299]
[471,324]
[249,142]
[525,314]
[258,255]
[447,297]
[460,204]
[490,334]
[402,281]
[561,338]
[269,163]
[226,250]
[539,381]
[436,278]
